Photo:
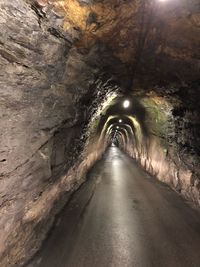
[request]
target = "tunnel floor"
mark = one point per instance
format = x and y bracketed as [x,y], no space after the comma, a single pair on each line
[122,217]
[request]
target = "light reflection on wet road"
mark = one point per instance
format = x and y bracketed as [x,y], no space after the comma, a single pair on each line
[123,218]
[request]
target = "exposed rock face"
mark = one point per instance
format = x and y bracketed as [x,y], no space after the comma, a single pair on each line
[44,109]
[60,62]
[165,143]
[161,38]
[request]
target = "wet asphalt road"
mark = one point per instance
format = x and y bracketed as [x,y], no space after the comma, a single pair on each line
[121,217]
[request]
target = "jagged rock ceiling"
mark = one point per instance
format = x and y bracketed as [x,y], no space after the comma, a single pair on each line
[163,36]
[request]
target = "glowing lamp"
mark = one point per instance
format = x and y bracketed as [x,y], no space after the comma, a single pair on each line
[126,103]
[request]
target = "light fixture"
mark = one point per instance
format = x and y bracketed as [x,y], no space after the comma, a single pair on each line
[120,120]
[117,127]
[126,103]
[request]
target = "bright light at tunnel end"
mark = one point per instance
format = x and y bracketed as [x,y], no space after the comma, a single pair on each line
[126,103]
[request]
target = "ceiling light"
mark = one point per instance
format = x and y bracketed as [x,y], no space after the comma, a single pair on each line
[120,120]
[126,103]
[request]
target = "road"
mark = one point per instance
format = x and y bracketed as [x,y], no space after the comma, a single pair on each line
[122,217]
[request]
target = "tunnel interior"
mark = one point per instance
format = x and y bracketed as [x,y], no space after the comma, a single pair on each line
[78,76]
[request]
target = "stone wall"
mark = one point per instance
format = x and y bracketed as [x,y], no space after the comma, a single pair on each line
[47,92]
[169,150]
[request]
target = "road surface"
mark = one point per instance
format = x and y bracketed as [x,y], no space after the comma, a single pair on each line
[121,217]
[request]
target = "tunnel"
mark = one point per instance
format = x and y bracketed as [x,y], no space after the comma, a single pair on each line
[99,133]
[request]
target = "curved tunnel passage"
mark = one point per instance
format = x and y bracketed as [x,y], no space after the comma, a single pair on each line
[83,81]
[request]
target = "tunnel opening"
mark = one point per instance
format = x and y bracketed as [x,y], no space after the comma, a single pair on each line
[78,76]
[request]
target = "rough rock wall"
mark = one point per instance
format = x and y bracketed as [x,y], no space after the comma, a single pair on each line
[170,149]
[46,89]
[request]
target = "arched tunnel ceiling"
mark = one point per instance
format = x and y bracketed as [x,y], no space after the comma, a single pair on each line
[116,115]
[156,39]
[124,130]
[122,124]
